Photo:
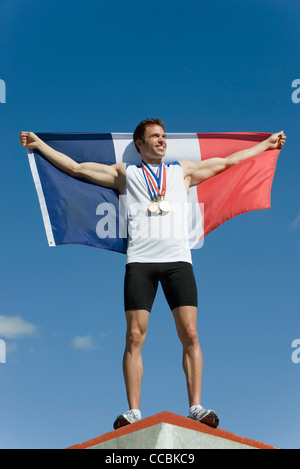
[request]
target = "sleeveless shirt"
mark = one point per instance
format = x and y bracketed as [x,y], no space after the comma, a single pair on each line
[159,237]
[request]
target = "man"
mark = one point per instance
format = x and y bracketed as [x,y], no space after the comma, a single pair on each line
[161,191]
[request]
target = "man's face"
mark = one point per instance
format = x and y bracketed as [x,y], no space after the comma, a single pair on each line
[154,145]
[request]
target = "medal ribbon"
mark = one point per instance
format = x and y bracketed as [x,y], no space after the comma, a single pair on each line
[156,183]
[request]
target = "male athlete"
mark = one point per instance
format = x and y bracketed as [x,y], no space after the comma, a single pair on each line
[160,190]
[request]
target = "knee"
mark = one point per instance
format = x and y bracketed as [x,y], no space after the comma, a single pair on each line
[189,337]
[134,338]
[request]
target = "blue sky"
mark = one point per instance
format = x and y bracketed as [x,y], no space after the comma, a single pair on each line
[99,66]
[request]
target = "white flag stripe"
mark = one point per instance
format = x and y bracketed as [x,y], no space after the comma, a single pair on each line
[179,147]
[195,219]
[39,190]
[125,151]
[182,147]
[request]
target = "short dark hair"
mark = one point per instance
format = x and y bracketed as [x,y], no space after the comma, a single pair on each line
[139,132]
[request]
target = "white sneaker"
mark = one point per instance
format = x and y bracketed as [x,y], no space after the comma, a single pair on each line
[130,416]
[208,417]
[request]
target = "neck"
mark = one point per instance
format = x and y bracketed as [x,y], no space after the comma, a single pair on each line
[152,160]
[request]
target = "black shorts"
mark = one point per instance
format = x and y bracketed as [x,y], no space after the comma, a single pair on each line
[141,282]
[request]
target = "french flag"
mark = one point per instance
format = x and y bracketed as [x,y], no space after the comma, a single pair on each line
[76,211]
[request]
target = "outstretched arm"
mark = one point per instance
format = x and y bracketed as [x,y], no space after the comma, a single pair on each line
[195,173]
[104,175]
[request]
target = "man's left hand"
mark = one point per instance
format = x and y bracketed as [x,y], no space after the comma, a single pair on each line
[276,141]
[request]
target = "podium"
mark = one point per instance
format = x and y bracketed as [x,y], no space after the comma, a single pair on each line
[169,431]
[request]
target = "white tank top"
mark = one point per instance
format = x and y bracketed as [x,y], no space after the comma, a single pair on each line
[157,237]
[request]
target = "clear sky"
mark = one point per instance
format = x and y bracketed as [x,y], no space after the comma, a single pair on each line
[102,66]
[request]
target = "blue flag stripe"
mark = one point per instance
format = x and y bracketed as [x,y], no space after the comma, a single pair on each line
[72,203]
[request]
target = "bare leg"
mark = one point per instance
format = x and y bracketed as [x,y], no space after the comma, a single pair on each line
[186,325]
[137,322]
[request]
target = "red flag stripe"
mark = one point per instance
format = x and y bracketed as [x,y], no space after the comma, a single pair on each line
[242,188]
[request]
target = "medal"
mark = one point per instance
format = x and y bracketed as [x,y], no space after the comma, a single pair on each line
[153,208]
[156,184]
[164,206]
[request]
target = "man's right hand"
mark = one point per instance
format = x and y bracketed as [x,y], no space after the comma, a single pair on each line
[111,176]
[29,140]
